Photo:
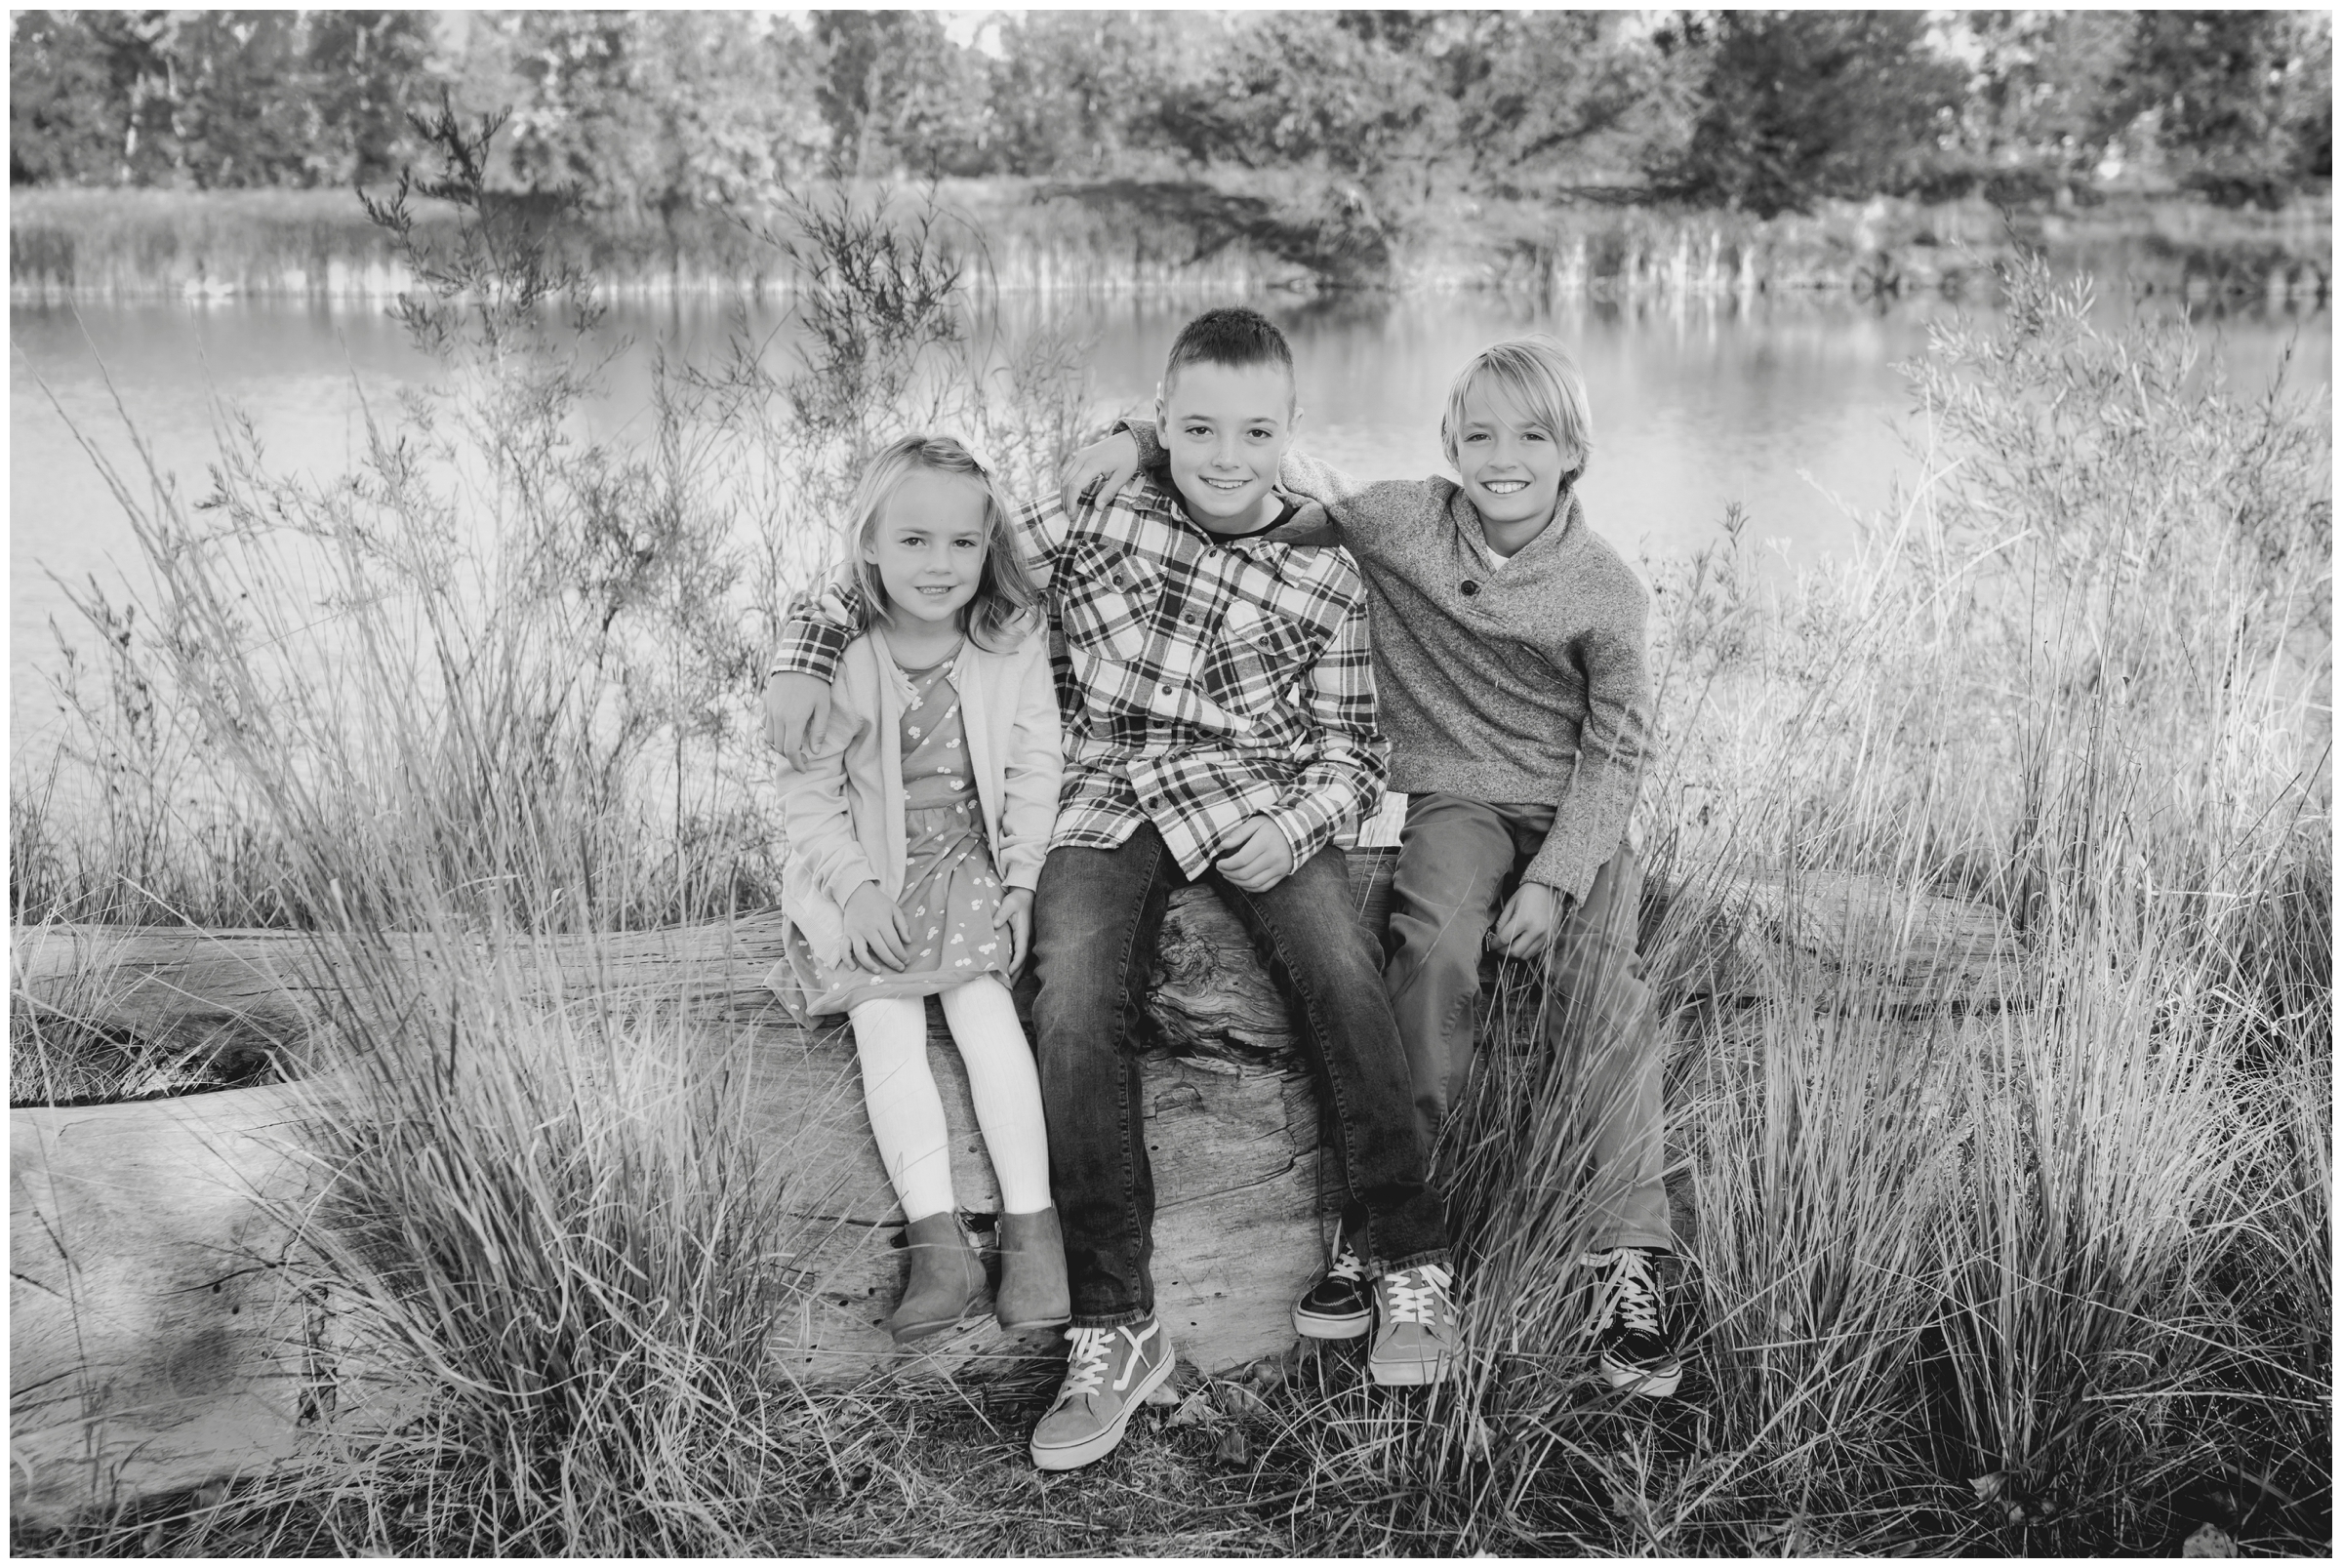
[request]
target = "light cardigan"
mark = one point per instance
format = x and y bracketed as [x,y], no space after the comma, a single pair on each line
[843,812]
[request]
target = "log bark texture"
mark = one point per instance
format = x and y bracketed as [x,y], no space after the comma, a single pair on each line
[156,1342]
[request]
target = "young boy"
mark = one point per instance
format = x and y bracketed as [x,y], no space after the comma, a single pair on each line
[1220,726]
[1509,655]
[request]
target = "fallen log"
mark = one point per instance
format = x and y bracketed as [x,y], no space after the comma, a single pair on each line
[155,1341]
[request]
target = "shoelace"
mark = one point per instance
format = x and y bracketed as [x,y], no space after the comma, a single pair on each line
[1348,1264]
[1415,1294]
[1085,1362]
[1632,1294]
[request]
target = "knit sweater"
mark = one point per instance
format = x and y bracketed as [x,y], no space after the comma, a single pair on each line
[1520,684]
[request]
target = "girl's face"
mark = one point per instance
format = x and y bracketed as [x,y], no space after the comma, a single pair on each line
[1512,464]
[928,546]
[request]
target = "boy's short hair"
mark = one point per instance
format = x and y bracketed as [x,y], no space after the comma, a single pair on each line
[1542,379]
[1231,336]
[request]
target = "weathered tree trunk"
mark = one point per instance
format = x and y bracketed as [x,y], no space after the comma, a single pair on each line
[155,1344]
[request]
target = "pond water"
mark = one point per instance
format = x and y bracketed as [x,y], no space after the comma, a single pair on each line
[1790,406]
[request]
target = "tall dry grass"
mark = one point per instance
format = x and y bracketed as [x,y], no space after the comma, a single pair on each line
[2046,1273]
[2043,1273]
[493,685]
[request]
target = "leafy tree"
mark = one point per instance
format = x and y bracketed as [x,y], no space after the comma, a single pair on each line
[898,94]
[2035,99]
[1304,88]
[213,97]
[2217,83]
[1802,105]
[652,112]
[89,99]
[1081,91]
[2311,93]
[242,108]
[367,71]
[1572,98]
[596,114]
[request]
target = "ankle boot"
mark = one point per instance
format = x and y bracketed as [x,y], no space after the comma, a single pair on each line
[945,1276]
[1033,1273]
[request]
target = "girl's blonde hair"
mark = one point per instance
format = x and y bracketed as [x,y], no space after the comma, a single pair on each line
[1540,378]
[1004,594]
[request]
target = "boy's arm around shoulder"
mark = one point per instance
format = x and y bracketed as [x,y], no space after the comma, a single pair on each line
[1590,820]
[814,815]
[1360,508]
[1032,768]
[820,622]
[1345,777]
[1042,529]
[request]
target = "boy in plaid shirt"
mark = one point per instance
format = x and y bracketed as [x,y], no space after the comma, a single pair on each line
[1220,726]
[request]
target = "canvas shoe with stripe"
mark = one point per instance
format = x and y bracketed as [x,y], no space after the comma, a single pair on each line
[1630,1325]
[1339,1305]
[1109,1374]
[1415,1327]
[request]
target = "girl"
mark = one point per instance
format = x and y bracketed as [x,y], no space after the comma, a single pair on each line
[916,833]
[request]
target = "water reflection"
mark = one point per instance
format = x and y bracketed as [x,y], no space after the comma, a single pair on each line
[1788,405]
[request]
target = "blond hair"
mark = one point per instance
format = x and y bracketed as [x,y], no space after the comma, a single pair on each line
[1004,593]
[1539,377]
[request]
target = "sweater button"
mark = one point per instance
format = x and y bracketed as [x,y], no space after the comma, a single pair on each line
[1471,588]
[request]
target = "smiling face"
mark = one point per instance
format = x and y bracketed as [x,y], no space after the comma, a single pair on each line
[1224,427]
[928,543]
[1511,462]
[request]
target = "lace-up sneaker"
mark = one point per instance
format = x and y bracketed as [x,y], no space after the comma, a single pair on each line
[1109,1374]
[1630,1328]
[1415,1332]
[1339,1306]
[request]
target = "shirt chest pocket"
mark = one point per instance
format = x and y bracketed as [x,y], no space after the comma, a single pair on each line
[1259,656]
[1108,611]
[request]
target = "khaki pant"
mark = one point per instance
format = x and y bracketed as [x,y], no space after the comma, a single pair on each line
[1455,860]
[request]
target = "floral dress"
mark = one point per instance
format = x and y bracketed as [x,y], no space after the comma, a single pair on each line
[951,891]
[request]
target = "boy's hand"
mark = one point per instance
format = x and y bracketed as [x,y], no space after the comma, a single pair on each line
[1532,918]
[796,716]
[877,936]
[1016,913]
[1258,857]
[1099,469]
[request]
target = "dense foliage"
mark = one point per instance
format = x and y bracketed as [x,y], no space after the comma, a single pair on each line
[651,111]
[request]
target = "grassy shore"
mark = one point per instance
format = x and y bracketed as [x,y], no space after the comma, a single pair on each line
[2048,1275]
[1227,236]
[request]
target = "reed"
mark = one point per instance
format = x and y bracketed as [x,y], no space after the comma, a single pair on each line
[1227,235]
[2050,1275]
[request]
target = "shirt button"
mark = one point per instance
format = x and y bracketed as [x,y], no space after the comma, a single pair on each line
[1165,688]
[1471,588]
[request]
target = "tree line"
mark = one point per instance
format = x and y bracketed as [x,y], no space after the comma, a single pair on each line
[646,113]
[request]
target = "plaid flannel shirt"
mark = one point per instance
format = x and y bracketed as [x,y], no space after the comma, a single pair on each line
[1202,681]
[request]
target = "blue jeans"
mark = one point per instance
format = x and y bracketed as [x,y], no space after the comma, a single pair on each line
[1457,860]
[1096,916]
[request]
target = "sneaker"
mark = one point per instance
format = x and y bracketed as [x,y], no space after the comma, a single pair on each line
[1340,1306]
[1415,1337]
[1109,1374]
[1629,1333]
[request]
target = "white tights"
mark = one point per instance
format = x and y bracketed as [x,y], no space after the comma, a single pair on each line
[890,1035]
